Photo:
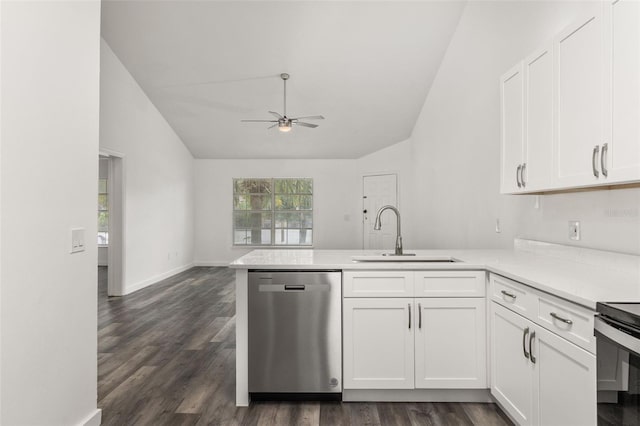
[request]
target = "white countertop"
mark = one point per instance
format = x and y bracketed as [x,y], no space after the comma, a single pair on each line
[581,276]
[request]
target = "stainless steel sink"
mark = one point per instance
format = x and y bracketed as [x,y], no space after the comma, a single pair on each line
[406,257]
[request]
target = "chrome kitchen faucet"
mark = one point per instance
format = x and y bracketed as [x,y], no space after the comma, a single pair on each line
[378,225]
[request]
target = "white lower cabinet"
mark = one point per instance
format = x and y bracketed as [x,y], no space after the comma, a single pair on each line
[538,377]
[415,343]
[450,341]
[378,343]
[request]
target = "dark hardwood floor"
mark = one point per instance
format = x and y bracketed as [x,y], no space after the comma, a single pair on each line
[166,356]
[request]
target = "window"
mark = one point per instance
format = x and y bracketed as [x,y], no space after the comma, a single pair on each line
[103,212]
[273,212]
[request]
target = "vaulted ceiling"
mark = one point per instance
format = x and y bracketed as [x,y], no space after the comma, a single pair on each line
[365,66]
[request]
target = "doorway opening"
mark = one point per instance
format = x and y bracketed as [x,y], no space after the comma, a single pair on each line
[111,222]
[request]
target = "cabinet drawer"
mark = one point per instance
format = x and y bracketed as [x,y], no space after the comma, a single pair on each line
[450,284]
[513,295]
[568,320]
[377,283]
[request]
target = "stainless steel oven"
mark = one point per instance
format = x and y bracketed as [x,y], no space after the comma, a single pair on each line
[617,330]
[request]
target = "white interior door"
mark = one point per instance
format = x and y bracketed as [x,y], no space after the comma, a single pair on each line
[378,191]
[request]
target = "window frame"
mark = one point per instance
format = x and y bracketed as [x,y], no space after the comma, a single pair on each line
[273,211]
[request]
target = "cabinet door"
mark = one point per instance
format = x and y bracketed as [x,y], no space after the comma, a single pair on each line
[622,156]
[511,371]
[579,100]
[378,343]
[512,128]
[538,146]
[564,381]
[451,343]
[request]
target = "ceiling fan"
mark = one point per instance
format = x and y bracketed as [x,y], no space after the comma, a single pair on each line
[283,122]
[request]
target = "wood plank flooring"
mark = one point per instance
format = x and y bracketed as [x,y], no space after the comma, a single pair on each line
[166,356]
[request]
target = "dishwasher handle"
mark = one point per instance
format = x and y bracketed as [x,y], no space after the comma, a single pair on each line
[297,287]
[293,288]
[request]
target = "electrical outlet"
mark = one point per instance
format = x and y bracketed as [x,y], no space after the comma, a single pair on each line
[574,230]
[77,240]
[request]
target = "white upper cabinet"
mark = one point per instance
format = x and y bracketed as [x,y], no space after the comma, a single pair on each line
[512,128]
[537,168]
[570,112]
[527,124]
[579,52]
[621,159]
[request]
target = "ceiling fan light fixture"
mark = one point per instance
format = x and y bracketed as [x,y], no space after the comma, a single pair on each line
[283,122]
[284,126]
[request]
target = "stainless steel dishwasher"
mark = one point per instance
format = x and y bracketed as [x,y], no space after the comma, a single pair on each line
[295,335]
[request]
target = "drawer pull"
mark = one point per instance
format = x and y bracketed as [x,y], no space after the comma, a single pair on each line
[559,318]
[524,342]
[511,295]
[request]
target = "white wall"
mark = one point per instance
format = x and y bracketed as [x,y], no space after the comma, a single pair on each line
[456,144]
[336,203]
[159,203]
[337,198]
[49,166]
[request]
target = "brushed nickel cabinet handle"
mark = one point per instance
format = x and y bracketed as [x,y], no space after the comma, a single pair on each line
[518,175]
[409,305]
[524,342]
[511,295]
[594,155]
[533,336]
[419,316]
[603,160]
[524,166]
[559,318]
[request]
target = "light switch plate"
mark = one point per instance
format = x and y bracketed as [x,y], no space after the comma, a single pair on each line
[574,230]
[77,240]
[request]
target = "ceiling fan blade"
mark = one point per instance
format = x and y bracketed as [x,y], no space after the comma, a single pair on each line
[275,114]
[259,121]
[300,123]
[271,127]
[310,117]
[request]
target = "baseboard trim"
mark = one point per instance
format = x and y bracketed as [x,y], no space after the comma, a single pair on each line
[210,263]
[94,419]
[417,395]
[150,281]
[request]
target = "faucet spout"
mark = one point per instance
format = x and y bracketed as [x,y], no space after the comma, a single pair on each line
[378,225]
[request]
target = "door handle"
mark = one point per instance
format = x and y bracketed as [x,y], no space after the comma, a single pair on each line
[533,336]
[419,316]
[594,155]
[409,305]
[603,160]
[524,342]
[518,175]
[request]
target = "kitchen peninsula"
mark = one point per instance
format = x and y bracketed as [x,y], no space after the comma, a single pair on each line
[553,287]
